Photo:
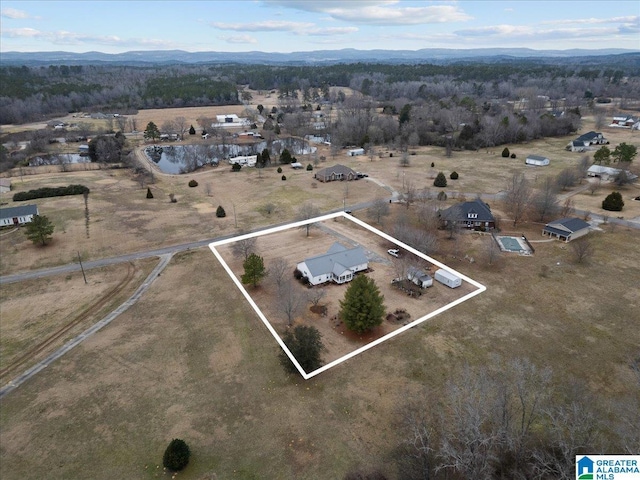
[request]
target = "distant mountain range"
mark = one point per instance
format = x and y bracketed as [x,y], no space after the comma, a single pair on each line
[349,55]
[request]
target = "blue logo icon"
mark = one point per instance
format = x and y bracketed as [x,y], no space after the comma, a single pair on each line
[584,469]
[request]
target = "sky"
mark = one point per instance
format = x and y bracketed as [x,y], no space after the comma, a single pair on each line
[114,26]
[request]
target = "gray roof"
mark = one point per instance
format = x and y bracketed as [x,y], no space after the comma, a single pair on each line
[19,211]
[570,225]
[537,157]
[325,172]
[337,259]
[462,210]
[414,272]
[589,135]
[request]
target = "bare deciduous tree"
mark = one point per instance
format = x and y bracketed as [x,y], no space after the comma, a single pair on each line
[566,178]
[378,209]
[545,201]
[278,269]
[243,248]
[317,294]
[306,212]
[518,194]
[582,249]
[291,299]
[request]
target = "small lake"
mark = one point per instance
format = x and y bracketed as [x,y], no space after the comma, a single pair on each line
[176,159]
[59,159]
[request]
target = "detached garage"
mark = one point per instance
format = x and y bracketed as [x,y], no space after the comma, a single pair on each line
[566,229]
[537,161]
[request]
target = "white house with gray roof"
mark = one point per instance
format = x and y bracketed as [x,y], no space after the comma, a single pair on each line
[338,265]
[537,160]
[17,215]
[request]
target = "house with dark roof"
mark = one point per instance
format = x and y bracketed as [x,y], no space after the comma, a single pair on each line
[338,265]
[475,214]
[17,215]
[566,229]
[337,172]
[593,138]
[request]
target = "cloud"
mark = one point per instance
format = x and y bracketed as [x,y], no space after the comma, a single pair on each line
[266,26]
[297,28]
[13,13]
[632,19]
[71,38]
[239,39]
[384,13]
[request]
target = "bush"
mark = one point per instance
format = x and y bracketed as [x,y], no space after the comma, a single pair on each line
[279,170]
[283,177]
[236,167]
[193,183]
[46,192]
[613,202]
[220,213]
[513,155]
[440,181]
[454,175]
[505,153]
[309,167]
[149,194]
[297,274]
[176,456]
[442,196]
[433,164]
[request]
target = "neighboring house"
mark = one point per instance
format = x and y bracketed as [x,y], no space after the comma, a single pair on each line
[338,265]
[623,120]
[245,161]
[537,160]
[17,215]
[418,277]
[600,171]
[230,121]
[475,214]
[5,185]
[355,152]
[566,229]
[337,172]
[577,146]
[592,138]
[83,149]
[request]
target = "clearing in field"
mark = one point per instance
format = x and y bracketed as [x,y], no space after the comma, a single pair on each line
[342,344]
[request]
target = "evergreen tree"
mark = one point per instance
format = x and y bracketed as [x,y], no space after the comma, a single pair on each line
[254,270]
[613,202]
[285,156]
[305,343]
[454,175]
[440,181]
[505,153]
[266,157]
[624,153]
[176,456]
[39,230]
[220,213]
[602,156]
[149,194]
[192,131]
[151,132]
[363,306]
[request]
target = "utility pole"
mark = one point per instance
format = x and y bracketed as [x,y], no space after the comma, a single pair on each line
[82,268]
[235,219]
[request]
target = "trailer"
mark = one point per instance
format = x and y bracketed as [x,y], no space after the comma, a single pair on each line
[245,161]
[447,278]
[355,152]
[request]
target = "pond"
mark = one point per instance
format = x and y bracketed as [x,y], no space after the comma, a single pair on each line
[176,159]
[59,159]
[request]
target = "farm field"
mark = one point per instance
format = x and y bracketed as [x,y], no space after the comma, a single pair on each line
[192,360]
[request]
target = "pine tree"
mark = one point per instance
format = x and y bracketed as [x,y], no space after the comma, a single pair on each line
[363,306]
[254,270]
[149,194]
[151,132]
[192,131]
[39,229]
[505,153]
[440,181]
[613,202]
[220,213]
[176,456]
[305,344]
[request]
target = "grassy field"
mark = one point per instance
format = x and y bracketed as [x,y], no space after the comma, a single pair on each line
[192,360]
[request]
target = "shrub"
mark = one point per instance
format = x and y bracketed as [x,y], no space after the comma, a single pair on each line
[454,175]
[176,456]
[297,274]
[513,155]
[193,183]
[279,170]
[433,164]
[440,181]
[309,167]
[283,177]
[220,213]
[505,153]
[236,167]
[149,194]
[442,196]
[613,202]
[46,192]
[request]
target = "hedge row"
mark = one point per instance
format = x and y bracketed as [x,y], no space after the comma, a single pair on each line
[46,192]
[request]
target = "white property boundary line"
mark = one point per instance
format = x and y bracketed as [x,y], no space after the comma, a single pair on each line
[480,288]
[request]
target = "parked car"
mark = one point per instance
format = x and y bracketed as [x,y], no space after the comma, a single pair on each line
[394,252]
